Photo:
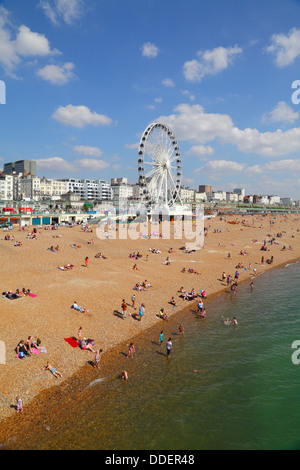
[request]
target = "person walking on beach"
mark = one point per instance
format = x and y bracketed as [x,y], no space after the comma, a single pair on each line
[141,311]
[199,307]
[97,358]
[19,406]
[181,330]
[131,350]
[169,347]
[161,337]
[86,262]
[123,309]
[133,301]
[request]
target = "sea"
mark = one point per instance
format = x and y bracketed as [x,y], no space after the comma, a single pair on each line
[223,387]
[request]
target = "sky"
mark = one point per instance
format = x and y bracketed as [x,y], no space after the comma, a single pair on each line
[84,78]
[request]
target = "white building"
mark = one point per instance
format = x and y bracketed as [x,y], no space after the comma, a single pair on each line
[6,187]
[265,200]
[216,196]
[52,189]
[274,200]
[187,194]
[122,191]
[232,197]
[200,197]
[105,190]
[27,187]
[89,189]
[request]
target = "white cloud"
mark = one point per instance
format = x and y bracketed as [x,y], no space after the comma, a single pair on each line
[87,151]
[80,116]
[286,48]
[91,164]
[26,43]
[63,10]
[210,62]
[281,113]
[132,146]
[221,167]
[29,43]
[281,166]
[57,75]
[267,144]
[55,165]
[191,123]
[168,82]
[200,150]
[58,165]
[149,50]
[189,94]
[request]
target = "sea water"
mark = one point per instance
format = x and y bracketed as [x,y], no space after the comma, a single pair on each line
[223,386]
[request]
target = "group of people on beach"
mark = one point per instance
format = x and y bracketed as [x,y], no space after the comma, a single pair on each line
[16,294]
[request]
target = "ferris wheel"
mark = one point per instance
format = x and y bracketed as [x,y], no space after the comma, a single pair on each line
[159,165]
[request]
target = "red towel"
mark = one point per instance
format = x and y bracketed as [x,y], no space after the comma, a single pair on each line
[72,341]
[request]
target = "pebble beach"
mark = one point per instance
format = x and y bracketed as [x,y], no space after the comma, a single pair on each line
[101,286]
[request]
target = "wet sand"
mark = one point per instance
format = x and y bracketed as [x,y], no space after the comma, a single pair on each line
[101,287]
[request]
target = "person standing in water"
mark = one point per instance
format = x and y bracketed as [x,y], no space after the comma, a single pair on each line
[161,337]
[169,347]
[181,330]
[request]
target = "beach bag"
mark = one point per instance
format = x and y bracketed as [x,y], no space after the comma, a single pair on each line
[38,341]
[21,354]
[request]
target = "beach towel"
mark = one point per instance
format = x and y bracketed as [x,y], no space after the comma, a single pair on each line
[35,351]
[72,341]
[32,295]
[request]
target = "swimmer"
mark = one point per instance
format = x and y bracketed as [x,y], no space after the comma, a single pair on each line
[234,321]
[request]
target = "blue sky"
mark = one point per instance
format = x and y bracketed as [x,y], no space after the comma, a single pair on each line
[85,78]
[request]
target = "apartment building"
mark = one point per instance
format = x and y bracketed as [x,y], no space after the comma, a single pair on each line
[6,187]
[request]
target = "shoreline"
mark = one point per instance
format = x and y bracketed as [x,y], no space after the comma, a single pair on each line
[50,318]
[58,396]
